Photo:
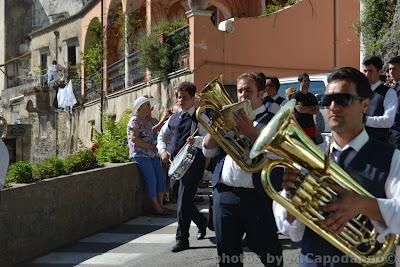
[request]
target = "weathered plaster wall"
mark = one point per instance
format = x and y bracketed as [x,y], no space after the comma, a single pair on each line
[48,40]
[315,36]
[17,29]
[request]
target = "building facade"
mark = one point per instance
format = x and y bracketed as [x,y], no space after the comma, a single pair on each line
[225,37]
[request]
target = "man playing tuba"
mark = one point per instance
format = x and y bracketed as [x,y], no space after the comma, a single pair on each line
[239,203]
[373,164]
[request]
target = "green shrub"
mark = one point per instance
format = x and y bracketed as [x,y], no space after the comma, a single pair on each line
[81,161]
[376,19]
[20,172]
[112,144]
[41,171]
[57,165]
[51,167]
[154,54]
[275,5]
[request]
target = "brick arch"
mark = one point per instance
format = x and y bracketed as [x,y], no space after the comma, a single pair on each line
[93,36]
[114,31]
[176,10]
[227,13]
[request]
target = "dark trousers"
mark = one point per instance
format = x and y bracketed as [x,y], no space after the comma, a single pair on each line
[236,213]
[394,138]
[186,210]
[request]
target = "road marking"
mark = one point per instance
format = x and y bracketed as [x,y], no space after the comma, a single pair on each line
[155,238]
[86,258]
[110,238]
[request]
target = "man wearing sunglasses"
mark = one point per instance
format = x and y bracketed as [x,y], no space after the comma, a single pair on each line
[306,107]
[383,105]
[372,163]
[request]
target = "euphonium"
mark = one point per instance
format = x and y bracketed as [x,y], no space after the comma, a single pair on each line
[284,137]
[3,123]
[218,106]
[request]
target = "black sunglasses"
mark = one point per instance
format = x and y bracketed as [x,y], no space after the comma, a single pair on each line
[340,99]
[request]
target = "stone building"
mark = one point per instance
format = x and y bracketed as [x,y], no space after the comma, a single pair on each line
[225,37]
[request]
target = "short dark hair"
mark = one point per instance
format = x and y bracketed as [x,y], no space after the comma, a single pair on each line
[188,87]
[355,77]
[54,62]
[303,76]
[374,61]
[256,77]
[260,74]
[395,60]
[275,82]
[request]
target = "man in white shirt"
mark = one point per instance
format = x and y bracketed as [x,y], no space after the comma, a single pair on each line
[178,130]
[272,100]
[394,73]
[54,73]
[239,203]
[373,164]
[383,104]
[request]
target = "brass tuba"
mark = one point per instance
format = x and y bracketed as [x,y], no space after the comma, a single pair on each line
[3,125]
[284,137]
[218,106]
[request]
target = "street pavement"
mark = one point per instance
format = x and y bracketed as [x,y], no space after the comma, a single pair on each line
[146,241]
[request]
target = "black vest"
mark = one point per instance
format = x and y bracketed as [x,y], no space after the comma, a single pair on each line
[180,131]
[369,169]
[269,99]
[376,108]
[396,124]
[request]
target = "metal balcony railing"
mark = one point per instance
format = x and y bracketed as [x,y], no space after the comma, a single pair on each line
[116,73]
[136,72]
[179,41]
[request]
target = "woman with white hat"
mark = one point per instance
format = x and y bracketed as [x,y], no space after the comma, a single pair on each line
[143,152]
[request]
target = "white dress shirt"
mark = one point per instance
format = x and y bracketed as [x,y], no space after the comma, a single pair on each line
[272,106]
[164,136]
[389,207]
[232,174]
[390,106]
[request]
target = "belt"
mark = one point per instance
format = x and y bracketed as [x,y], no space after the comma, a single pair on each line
[237,189]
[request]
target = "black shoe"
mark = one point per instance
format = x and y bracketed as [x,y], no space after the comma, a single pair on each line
[180,246]
[202,232]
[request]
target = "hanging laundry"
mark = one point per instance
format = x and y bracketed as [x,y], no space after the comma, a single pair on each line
[66,97]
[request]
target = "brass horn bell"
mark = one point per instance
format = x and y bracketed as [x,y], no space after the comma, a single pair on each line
[219,108]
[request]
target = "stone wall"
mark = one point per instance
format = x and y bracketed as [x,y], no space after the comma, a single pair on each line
[40,217]
[16,28]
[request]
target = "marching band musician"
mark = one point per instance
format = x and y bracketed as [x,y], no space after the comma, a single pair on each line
[383,105]
[272,100]
[239,203]
[373,164]
[172,137]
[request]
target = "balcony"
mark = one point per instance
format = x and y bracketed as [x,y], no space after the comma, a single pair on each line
[116,73]
[179,41]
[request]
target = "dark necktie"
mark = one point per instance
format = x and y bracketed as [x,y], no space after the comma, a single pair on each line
[184,115]
[341,156]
